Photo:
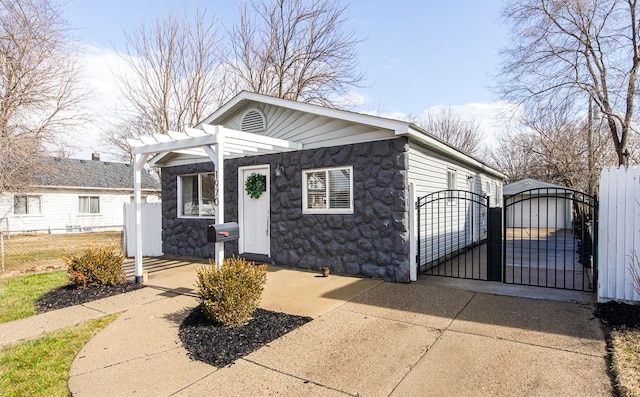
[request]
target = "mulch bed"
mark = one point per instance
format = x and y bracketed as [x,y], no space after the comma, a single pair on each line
[220,346]
[70,295]
[204,340]
[617,315]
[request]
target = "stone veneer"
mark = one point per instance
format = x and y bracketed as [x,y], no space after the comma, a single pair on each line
[371,242]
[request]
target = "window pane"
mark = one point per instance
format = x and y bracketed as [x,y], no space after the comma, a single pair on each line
[19,205]
[189,194]
[33,205]
[95,205]
[316,190]
[208,207]
[83,204]
[339,188]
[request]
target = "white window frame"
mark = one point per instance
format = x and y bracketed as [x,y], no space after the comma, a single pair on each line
[452,181]
[326,209]
[201,204]
[89,197]
[28,212]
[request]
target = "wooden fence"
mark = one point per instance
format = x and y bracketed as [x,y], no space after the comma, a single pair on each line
[618,234]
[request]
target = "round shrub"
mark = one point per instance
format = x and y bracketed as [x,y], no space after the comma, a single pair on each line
[95,266]
[230,294]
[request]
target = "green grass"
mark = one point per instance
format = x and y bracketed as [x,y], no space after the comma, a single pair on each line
[40,367]
[18,294]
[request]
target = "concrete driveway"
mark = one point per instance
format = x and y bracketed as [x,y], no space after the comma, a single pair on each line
[368,338]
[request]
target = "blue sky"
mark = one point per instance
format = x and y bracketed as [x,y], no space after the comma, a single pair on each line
[416,55]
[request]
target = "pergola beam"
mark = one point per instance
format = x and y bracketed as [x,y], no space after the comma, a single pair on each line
[214,142]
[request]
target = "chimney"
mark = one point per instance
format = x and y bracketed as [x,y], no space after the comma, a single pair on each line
[95,156]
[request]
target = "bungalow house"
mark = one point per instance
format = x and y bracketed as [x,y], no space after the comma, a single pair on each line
[70,195]
[309,186]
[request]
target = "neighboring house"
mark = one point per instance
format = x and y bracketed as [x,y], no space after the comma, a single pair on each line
[337,190]
[73,195]
[537,204]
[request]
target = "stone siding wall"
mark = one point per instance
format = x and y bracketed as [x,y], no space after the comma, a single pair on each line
[371,242]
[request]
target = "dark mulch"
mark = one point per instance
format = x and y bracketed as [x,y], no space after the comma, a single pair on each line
[71,295]
[617,315]
[220,346]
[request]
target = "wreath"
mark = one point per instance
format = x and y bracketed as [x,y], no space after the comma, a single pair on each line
[255,185]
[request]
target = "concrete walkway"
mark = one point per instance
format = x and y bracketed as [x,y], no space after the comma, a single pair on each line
[368,338]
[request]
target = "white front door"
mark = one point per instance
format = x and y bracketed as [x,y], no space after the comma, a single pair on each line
[253,214]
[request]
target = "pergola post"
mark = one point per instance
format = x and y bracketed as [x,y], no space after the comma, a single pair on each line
[217,156]
[139,160]
[216,142]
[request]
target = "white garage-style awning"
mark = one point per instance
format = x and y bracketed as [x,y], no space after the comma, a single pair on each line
[215,142]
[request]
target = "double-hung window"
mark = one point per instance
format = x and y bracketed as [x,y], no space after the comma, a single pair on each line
[27,205]
[451,185]
[196,195]
[328,191]
[88,204]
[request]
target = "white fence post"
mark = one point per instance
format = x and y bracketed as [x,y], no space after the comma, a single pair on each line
[618,232]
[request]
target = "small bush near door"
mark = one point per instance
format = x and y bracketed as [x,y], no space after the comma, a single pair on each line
[95,266]
[230,294]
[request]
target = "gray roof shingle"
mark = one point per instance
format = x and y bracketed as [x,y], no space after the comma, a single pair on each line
[527,184]
[66,172]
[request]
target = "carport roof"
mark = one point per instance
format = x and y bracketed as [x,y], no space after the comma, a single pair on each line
[528,184]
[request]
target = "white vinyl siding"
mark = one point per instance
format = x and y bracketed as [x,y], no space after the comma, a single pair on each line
[196,195]
[313,131]
[328,191]
[60,211]
[27,205]
[430,172]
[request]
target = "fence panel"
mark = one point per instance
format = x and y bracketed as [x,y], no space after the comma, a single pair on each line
[151,229]
[619,233]
[44,249]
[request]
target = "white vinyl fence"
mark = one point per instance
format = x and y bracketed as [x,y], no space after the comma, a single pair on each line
[151,229]
[618,233]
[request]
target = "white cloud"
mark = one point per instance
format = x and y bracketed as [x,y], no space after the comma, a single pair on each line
[494,118]
[101,107]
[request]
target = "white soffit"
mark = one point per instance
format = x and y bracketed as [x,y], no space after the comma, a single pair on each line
[233,143]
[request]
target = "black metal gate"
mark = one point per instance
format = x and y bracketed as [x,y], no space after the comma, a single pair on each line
[550,239]
[452,231]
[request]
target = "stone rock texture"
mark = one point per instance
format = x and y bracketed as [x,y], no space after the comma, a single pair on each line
[371,242]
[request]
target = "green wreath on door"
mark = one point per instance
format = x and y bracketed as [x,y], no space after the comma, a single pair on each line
[255,185]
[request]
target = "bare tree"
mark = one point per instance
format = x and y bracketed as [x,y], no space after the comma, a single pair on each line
[552,148]
[450,127]
[174,75]
[39,91]
[295,50]
[569,52]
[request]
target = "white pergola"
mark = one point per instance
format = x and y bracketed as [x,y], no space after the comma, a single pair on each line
[215,142]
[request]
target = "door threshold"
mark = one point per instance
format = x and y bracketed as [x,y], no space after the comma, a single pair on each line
[256,258]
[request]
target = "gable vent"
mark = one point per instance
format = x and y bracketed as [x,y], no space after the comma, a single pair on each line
[254,121]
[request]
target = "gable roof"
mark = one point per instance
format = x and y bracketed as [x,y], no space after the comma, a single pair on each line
[74,173]
[244,98]
[396,127]
[528,184]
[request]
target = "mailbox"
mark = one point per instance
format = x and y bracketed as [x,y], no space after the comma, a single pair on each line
[223,232]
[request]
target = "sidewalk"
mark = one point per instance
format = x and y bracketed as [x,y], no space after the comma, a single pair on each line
[368,338]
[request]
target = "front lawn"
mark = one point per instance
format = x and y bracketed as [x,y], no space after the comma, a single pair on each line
[40,367]
[18,294]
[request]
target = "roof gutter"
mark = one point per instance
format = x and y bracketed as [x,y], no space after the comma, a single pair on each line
[442,147]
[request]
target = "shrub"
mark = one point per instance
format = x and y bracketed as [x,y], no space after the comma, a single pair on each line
[231,294]
[95,266]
